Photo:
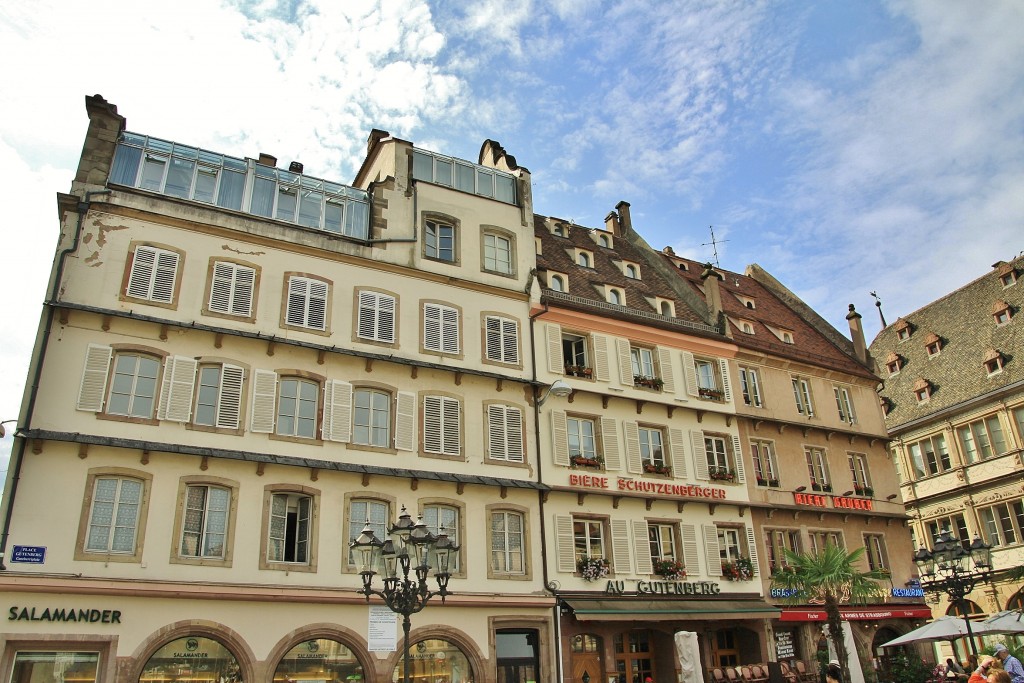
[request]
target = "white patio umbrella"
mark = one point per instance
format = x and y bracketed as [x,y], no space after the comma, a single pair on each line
[1010,621]
[943,628]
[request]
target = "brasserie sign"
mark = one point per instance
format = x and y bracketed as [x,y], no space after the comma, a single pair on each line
[642,587]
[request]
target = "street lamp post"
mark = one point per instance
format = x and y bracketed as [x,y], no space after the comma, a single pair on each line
[411,548]
[952,569]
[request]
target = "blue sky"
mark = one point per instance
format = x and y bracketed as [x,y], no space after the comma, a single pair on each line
[846,146]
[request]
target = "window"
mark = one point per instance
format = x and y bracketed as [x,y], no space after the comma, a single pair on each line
[787,337]
[819,539]
[1003,524]
[59,667]
[498,254]
[366,512]
[747,327]
[707,379]
[442,425]
[205,523]
[817,469]
[508,540]
[582,438]
[114,515]
[751,383]
[902,330]
[440,328]
[574,355]
[232,289]
[652,449]
[631,271]
[765,467]
[604,240]
[929,456]
[720,466]
[557,283]
[297,407]
[666,309]
[289,528]
[893,364]
[505,433]
[982,439]
[153,275]
[133,385]
[729,544]
[371,418]
[615,297]
[662,539]
[844,404]
[922,390]
[1007,279]
[859,472]
[306,303]
[588,539]
[994,362]
[439,241]
[1001,312]
[444,519]
[955,523]
[219,396]
[874,545]
[463,176]
[502,339]
[802,395]
[376,318]
[642,360]
[583,259]
[1018,417]
[933,347]
[777,542]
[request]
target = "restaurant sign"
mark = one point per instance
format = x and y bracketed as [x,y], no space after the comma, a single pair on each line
[658,488]
[664,587]
[839,502]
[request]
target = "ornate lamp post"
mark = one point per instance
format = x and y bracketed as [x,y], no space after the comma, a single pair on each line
[411,548]
[954,570]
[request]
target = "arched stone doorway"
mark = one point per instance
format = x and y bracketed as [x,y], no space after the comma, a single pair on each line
[886,656]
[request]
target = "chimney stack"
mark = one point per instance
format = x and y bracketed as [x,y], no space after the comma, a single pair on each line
[624,219]
[611,223]
[712,293]
[860,348]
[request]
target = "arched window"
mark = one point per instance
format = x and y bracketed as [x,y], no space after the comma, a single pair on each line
[193,658]
[604,241]
[317,660]
[583,259]
[557,283]
[631,271]
[436,659]
[614,297]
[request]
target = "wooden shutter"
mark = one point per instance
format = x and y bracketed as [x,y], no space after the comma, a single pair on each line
[229,402]
[566,550]
[514,434]
[337,422]
[140,278]
[688,541]
[153,274]
[752,549]
[642,544]
[677,441]
[726,380]
[559,438]
[441,428]
[737,459]
[449,329]
[600,343]
[405,421]
[505,433]
[625,362]
[376,317]
[176,393]
[620,547]
[690,374]
[553,336]
[610,443]
[93,388]
[317,316]
[221,287]
[634,463]
[668,375]
[295,310]
[700,456]
[165,276]
[712,554]
[264,395]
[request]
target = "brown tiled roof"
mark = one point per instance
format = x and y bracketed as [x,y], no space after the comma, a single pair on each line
[963,319]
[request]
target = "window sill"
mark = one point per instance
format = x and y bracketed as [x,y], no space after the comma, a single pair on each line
[296,439]
[128,418]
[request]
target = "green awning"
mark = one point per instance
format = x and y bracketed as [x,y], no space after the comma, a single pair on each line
[670,610]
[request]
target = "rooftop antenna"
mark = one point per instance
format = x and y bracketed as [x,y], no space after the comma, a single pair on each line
[714,244]
[878,304]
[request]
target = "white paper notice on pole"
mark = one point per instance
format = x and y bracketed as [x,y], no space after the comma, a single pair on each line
[382,632]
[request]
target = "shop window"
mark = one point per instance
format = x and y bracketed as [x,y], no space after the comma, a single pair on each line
[193,659]
[517,654]
[982,439]
[507,543]
[153,275]
[55,667]
[434,660]
[319,660]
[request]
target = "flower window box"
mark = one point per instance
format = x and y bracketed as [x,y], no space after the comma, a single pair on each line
[670,570]
[713,394]
[648,382]
[740,570]
[579,371]
[721,474]
[657,469]
[593,568]
[583,461]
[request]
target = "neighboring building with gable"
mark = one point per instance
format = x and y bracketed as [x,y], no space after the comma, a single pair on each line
[954,404]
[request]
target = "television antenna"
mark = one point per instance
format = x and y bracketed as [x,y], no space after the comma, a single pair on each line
[714,244]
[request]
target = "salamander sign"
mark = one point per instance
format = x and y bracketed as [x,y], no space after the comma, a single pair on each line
[91,616]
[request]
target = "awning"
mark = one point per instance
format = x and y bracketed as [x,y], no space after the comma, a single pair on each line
[669,610]
[868,613]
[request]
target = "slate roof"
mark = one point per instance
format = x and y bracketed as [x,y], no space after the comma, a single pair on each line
[963,322]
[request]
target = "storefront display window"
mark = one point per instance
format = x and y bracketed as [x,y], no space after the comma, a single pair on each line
[319,661]
[436,661]
[55,667]
[517,656]
[192,659]
[633,656]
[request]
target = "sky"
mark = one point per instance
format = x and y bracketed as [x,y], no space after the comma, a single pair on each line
[846,146]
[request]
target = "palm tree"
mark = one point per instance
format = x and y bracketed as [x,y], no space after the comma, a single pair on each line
[829,578]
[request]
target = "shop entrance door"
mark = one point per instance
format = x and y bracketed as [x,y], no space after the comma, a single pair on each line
[586,659]
[633,657]
[723,648]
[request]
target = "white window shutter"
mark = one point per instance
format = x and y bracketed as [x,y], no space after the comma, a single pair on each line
[634,463]
[229,403]
[726,380]
[510,336]
[264,398]
[690,373]
[641,541]
[505,433]
[432,334]
[386,309]
[553,336]
[295,309]
[141,277]
[677,441]
[620,547]
[176,394]
[560,438]
[337,422]
[737,458]
[600,343]
[405,421]
[514,434]
[610,442]
[450,329]
[565,546]
[317,316]
[245,286]
[221,287]
[700,456]
[711,551]
[668,375]
[93,388]
[688,538]
[752,549]
[625,362]
[432,425]
[165,276]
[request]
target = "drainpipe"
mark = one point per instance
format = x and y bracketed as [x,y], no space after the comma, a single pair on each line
[35,372]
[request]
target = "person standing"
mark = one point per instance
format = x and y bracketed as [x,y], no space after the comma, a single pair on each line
[1011,664]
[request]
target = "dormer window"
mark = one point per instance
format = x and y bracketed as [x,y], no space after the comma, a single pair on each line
[631,271]
[746,301]
[604,240]
[1001,312]
[787,337]
[745,326]
[560,230]
[922,390]
[886,404]
[557,282]
[893,363]
[903,330]
[665,307]
[583,259]
[933,345]
[1007,274]
[682,267]
[616,297]
[993,362]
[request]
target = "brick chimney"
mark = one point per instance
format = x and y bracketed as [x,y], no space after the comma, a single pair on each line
[860,348]
[623,209]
